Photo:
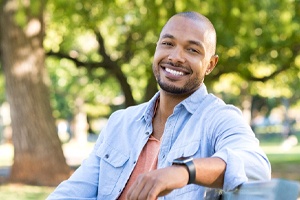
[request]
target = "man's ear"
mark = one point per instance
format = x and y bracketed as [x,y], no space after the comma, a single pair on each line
[212,63]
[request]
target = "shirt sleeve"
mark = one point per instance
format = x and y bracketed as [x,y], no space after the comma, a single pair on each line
[81,185]
[236,144]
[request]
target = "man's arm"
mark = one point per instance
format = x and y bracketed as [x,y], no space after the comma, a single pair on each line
[209,172]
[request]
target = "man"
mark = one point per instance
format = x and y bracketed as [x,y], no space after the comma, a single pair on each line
[182,141]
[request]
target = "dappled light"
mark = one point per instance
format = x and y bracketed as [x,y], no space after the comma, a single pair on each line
[66,66]
[261,70]
[33,28]
[229,83]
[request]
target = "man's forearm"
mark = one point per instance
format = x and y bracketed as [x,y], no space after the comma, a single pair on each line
[210,172]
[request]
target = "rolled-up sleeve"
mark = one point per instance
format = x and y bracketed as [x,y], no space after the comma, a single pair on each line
[237,145]
[243,166]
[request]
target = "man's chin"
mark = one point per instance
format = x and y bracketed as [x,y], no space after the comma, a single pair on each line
[177,91]
[172,89]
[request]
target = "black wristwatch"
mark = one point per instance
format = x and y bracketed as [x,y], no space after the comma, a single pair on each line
[188,162]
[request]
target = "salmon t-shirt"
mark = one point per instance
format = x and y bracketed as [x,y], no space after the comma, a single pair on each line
[147,162]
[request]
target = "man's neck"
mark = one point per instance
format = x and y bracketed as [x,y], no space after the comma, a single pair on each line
[168,103]
[165,107]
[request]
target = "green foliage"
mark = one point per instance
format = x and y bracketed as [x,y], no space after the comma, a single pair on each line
[69,83]
[2,89]
[259,41]
[258,45]
[24,11]
[21,17]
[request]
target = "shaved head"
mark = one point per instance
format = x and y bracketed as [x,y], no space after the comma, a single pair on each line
[210,36]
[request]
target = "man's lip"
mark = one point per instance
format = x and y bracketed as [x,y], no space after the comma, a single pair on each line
[176,75]
[177,69]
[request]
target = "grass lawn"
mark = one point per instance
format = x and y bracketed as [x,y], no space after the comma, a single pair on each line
[285,160]
[73,154]
[24,192]
[284,157]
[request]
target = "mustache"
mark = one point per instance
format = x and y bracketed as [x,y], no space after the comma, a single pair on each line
[175,64]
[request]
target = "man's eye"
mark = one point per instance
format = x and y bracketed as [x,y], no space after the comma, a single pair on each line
[167,43]
[192,50]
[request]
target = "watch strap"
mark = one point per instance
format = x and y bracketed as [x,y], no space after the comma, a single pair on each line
[189,164]
[191,170]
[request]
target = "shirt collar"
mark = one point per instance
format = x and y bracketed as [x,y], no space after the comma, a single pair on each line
[192,103]
[149,111]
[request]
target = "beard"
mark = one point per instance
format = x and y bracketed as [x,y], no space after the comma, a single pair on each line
[189,87]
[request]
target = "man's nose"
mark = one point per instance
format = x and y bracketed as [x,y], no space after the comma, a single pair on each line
[176,55]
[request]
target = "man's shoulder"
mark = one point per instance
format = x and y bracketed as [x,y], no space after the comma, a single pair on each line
[214,103]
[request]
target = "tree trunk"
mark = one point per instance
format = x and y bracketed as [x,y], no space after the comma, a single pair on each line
[38,156]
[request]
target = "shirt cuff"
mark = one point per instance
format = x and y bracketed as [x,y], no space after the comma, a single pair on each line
[235,174]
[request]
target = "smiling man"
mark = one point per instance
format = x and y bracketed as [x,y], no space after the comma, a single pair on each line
[182,141]
[185,53]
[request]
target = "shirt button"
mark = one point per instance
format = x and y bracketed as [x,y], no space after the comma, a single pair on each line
[147,133]
[106,156]
[134,162]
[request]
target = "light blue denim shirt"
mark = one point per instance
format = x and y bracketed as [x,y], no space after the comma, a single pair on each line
[201,126]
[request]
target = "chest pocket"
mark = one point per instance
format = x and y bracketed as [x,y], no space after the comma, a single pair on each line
[186,150]
[112,161]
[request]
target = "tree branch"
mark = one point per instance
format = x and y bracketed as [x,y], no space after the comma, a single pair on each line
[102,51]
[115,69]
[78,63]
[127,51]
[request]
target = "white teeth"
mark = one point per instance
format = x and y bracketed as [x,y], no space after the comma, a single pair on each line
[176,73]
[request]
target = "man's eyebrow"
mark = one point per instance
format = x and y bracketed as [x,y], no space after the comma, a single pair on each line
[197,43]
[167,36]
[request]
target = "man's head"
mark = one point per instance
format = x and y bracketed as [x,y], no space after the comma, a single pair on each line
[185,53]
[210,36]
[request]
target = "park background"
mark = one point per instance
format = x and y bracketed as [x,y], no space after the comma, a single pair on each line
[67,65]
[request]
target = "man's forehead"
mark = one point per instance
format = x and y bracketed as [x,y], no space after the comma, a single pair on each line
[183,25]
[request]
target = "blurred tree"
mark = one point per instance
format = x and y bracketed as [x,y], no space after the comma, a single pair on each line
[258,44]
[259,51]
[101,50]
[38,156]
[114,50]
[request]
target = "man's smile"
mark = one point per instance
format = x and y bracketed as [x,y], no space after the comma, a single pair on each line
[174,72]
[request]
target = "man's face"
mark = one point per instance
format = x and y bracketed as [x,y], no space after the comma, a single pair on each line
[182,56]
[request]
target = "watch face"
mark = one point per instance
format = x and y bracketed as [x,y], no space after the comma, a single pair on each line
[182,160]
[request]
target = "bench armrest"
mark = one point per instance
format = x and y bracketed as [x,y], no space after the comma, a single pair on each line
[275,189]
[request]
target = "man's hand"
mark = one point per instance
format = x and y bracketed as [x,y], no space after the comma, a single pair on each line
[159,182]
